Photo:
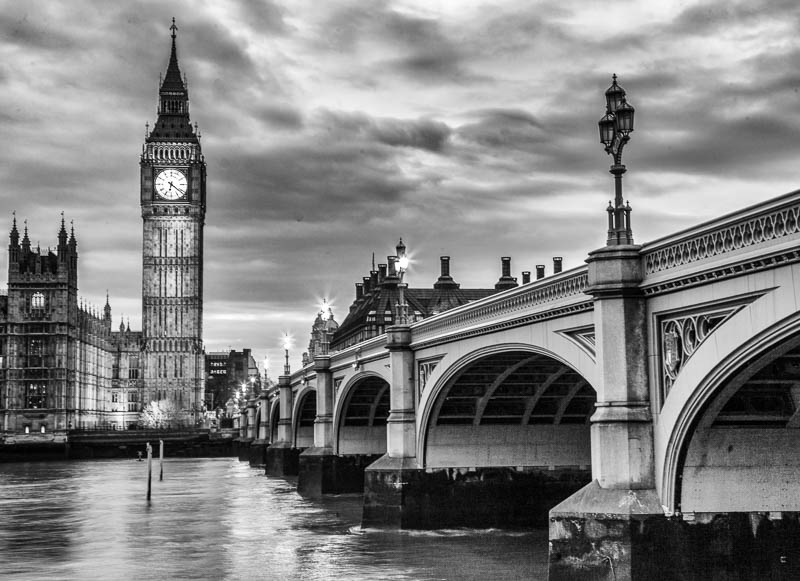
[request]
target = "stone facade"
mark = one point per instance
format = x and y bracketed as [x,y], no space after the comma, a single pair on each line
[62,363]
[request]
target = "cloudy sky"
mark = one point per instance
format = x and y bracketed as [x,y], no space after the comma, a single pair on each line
[333,128]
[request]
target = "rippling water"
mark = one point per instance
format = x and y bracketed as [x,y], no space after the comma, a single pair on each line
[221,519]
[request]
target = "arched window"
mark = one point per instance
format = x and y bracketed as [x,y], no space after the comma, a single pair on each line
[37,301]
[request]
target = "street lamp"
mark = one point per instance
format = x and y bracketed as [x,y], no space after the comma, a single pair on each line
[615,129]
[402,265]
[287,342]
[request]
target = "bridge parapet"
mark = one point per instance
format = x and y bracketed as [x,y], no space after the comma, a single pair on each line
[547,298]
[726,239]
[360,353]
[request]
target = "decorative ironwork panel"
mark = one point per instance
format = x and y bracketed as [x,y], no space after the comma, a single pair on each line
[424,371]
[681,336]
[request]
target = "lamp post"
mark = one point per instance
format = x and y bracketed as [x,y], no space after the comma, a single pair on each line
[615,129]
[402,265]
[286,344]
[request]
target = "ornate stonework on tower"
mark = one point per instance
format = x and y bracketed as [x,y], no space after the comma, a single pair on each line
[173,199]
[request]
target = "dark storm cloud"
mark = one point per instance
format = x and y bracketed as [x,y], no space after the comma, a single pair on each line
[278,116]
[498,128]
[27,27]
[712,17]
[427,53]
[264,16]
[344,168]
[415,133]
[312,183]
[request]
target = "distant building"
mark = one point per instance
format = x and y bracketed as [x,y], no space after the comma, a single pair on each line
[226,373]
[377,297]
[321,335]
[62,365]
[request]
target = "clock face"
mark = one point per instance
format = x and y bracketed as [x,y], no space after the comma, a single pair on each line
[171,184]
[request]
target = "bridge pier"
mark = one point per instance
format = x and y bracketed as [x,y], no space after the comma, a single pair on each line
[394,483]
[320,471]
[282,456]
[615,528]
[258,449]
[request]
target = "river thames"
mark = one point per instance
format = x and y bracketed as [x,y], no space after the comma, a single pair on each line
[222,519]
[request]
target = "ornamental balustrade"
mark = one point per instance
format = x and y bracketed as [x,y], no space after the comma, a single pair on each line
[743,230]
[524,299]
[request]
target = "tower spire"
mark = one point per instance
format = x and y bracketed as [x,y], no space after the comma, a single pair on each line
[173,81]
[62,234]
[14,232]
[26,242]
[173,106]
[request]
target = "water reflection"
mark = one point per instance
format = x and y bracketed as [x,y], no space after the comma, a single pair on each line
[220,519]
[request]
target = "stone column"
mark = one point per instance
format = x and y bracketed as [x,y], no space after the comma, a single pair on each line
[392,484]
[282,456]
[286,405]
[401,427]
[611,528]
[323,423]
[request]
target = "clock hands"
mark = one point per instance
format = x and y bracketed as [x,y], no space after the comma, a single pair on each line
[177,189]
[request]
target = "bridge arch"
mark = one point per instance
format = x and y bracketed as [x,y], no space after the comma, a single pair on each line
[360,415]
[511,404]
[303,416]
[744,380]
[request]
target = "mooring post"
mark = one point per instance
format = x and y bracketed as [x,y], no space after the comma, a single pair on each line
[149,467]
[161,460]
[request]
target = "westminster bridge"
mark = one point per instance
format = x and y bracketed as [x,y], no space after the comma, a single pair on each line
[650,395]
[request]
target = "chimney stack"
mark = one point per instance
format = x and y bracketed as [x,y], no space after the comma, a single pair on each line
[445,280]
[526,276]
[506,280]
[539,271]
[556,264]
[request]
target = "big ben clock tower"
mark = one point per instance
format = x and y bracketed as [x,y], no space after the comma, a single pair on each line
[173,198]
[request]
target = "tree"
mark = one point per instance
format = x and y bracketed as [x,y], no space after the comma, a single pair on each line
[162,414]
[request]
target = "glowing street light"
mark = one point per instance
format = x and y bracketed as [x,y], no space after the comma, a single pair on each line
[615,129]
[287,342]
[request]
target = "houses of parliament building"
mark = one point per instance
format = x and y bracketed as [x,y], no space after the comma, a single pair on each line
[62,364]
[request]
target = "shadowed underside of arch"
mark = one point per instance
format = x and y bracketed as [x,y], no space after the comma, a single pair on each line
[274,417]
[742,455]
[514,408]
[362,428]
[304,436]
